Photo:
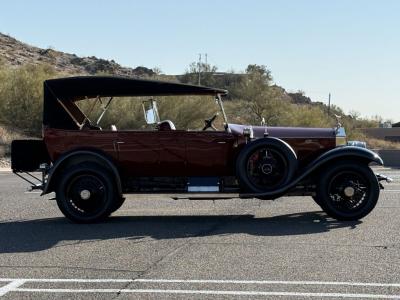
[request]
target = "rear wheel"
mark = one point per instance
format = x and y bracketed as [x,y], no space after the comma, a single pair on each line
[86,193]
[348,191]
[117,204]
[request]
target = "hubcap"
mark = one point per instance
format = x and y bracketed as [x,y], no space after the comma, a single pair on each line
[85,194]
[349,191]
[266,169]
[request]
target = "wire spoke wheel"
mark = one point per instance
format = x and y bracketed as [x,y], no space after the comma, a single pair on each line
[348,191]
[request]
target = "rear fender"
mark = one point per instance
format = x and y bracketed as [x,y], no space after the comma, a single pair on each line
[76,157]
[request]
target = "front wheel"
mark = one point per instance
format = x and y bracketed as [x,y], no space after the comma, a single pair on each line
[348,191]
[86,193]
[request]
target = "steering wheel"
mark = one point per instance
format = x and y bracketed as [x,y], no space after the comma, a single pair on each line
[209,122]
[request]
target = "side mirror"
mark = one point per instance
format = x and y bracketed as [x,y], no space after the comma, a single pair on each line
[150,111]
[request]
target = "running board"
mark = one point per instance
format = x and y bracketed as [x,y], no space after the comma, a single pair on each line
[204,197]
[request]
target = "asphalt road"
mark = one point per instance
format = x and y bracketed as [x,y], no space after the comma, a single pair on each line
[158,248]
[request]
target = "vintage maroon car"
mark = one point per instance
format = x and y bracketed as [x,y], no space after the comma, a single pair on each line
[90,168]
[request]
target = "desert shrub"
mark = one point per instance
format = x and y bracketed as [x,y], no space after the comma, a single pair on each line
[189,112]
[6,136]
[124,112]
[21,96]
[127,113]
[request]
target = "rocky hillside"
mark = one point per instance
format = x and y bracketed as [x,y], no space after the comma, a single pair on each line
[16,53]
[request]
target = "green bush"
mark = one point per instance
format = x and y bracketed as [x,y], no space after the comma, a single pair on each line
[21,96]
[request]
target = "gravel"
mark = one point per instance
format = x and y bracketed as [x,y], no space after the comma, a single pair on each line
[5,162]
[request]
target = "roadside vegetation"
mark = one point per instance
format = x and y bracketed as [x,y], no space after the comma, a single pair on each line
[253,97]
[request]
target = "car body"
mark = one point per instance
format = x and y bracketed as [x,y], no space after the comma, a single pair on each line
[84,163]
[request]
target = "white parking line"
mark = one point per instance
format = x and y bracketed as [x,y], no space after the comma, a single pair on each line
[270,282]
[15,285]
[221,281]
[11,286]
[81,280]
[211,292]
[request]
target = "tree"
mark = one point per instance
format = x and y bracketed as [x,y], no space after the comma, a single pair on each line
[262,99]
[206,74]
[354,114]
[21,96]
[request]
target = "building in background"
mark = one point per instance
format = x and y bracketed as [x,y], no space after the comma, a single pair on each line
[391,134]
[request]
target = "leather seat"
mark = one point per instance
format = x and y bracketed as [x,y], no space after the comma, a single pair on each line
[165,125]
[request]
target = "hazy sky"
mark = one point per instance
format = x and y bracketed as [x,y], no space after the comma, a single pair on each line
[349,48]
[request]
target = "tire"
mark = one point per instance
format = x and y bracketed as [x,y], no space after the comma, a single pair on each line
[79,182]
[348,191]
[119,201]
[316,200]
[266,165]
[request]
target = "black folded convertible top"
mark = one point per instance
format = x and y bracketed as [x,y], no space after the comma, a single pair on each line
[78,88]
[72,89]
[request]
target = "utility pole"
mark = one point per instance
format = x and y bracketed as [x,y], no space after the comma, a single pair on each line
[206,62]
[199,68]
[329,104]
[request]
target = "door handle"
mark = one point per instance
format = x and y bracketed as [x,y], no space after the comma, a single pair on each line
[221,142]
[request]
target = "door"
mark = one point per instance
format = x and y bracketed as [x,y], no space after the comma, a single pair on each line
[138,152]
[209,153]
[172,153]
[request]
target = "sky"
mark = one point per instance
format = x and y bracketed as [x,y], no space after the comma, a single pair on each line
[350,49]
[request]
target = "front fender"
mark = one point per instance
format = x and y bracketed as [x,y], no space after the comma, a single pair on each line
[350,152]
[346,152]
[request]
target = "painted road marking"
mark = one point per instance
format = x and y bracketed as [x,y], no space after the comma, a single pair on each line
[211,292]
[150,280]
[11,286]
[269,282]
[15,285]
[215,281]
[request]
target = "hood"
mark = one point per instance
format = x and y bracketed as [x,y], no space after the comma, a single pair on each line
[284,132]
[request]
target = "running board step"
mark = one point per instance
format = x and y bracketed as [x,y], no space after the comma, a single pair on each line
[204,197]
